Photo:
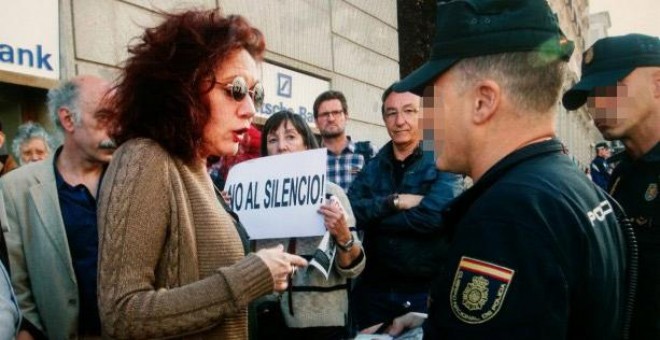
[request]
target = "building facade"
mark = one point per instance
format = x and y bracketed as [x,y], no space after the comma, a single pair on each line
[575,128]
[312,46]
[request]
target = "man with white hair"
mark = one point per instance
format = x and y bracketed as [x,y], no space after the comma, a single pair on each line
[51,217]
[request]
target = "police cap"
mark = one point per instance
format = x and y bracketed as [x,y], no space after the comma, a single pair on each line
[471,28]
[610,60]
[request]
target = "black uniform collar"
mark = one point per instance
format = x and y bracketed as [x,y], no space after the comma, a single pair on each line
[652,155]
[462,203]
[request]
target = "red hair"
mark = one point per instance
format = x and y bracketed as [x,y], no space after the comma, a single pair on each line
[159,95]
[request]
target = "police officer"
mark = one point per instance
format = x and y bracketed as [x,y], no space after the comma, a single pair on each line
[621,86]
[600,170]
[536,251]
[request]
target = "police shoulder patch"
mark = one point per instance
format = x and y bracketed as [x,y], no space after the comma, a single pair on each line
[651,192]
[478,291]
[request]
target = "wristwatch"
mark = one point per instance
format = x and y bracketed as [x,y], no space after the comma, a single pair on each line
[394,201]
[346,246]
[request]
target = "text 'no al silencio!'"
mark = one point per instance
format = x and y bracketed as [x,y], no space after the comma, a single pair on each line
[283,192]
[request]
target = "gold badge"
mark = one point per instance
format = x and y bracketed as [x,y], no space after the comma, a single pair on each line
[475,294]
[479,289]
[588,56]
[651,192]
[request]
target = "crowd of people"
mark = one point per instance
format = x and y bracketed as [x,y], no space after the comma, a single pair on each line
[124,230]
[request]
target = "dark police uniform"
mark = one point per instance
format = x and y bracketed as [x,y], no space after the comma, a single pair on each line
[600,172]
[536,253]
[635,185]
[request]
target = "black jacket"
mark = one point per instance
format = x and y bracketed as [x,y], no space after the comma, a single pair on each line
[536,253]
[403,248]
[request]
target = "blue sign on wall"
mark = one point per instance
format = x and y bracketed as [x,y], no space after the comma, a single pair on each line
[284,85]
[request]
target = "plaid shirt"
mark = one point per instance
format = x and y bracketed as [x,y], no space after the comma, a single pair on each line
[343,168]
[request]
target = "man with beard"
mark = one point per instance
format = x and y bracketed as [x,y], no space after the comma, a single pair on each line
[51,217]
[621,86]
[345,157]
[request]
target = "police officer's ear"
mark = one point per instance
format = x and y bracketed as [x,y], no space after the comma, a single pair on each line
[487,100]
[655,79]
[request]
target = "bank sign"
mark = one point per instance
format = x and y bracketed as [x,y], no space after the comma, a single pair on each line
[286,89]
[29,38]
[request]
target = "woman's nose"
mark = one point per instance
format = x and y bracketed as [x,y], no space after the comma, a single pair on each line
[247,109]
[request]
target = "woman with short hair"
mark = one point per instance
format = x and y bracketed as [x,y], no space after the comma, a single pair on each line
[31,144]
[315,307]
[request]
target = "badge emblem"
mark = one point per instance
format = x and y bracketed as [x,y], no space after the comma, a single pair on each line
[651,192]
[588,56]
[479,289]
[475,294]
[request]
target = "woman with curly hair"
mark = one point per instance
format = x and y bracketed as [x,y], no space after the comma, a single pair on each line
[172,263]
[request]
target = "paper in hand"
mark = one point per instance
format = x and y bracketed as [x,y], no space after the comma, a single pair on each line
[325,253]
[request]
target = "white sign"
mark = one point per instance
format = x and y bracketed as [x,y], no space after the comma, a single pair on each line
[29,43]
[279,196]
[290,90]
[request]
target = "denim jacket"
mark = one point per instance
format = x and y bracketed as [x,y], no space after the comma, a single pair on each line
[404,247]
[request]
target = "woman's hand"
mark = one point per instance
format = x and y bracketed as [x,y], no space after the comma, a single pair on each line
[281,265]
[334,219]
[226,197]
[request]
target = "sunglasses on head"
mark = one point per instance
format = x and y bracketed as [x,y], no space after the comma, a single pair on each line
[238,89]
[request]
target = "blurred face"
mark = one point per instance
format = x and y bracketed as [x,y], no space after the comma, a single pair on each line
[604,152]
[331,119]
[618,109]
[91,135]
[446,116]
[284,139]
[33,150]
[400,113]
[230,116]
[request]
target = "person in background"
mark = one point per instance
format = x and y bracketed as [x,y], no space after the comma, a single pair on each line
[51,210]
[600,169]
[397,199]
[345,157]
[7,162]
[535,248]
[247,149]
[32,143]
[315,307]
[171,261]
[10,313]
[621,86]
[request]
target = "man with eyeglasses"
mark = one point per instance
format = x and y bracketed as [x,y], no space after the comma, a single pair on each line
[397,200]
[345,157]
[621,86]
